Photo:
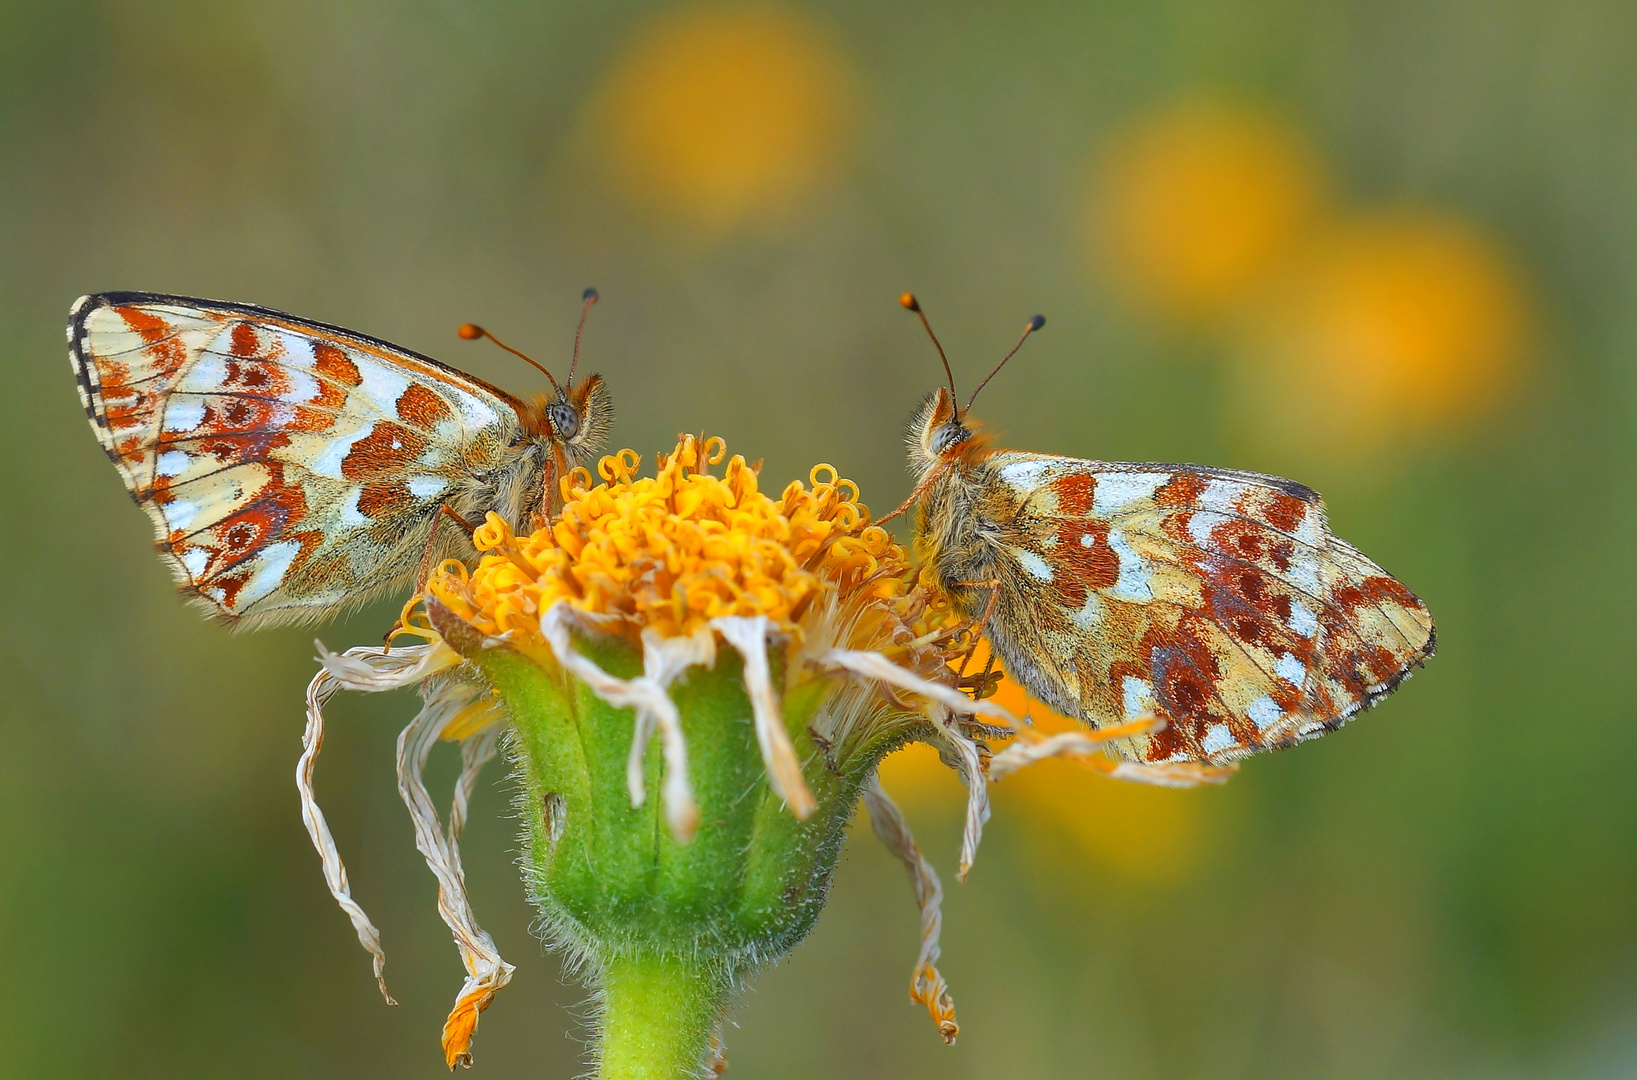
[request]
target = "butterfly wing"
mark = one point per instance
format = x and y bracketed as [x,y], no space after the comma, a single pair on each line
[1215,600]
[289,468]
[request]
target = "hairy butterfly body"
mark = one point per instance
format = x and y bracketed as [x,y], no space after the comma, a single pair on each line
[1215,601]
[293,469]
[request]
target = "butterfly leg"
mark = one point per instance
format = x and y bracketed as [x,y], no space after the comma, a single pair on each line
[426,557]
[976,629]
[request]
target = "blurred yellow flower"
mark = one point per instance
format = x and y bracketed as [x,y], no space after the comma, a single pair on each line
[715,118]
[1196,205]
[1399,323]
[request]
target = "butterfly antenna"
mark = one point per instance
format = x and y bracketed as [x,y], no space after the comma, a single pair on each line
[909,301]
[1034,324]
[471,332]
[590,297]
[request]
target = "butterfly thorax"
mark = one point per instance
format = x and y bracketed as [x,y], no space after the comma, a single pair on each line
[955,521]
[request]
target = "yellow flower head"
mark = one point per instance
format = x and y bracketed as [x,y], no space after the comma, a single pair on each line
[673,551]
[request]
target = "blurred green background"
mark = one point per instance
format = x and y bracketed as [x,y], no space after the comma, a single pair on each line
[1389,249]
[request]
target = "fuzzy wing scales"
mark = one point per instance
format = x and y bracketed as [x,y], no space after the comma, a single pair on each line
[1216,600]
[289,468]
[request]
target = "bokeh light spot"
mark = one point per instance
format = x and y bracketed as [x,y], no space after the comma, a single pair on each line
[1399,323]
[1195,205]
[715,118]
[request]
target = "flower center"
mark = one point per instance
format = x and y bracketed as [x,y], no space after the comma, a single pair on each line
[678,549]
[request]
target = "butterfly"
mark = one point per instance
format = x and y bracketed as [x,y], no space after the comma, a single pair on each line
[1214,601]
[292,469]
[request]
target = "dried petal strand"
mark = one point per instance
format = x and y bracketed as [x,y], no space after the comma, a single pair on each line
[875,666]
[977,787]
[927,986]
[486,971]
[319,691]
[653,707]
[1076,744]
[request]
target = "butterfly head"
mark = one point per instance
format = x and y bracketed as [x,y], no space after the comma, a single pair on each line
[576,420]
[938,433]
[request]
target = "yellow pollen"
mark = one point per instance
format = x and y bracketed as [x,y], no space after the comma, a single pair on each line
[677,549]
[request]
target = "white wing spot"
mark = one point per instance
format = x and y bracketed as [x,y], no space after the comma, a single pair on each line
[295,350]
[329,462]
[1221,496]
[183,415]
[1264,712]
[1088,540]
[1139,697]
[473,409]
[1034,564]
[379,384]
[303,386]
[1290,669]
[1217,738]
[425,487]
[271,566]
[172,463]
[194,560]
[1116,491]
[208,373]
[1311,529]
[1302,619]
[1200,524]
[179,516]
[1024,475]
[349,515]
[1132,584]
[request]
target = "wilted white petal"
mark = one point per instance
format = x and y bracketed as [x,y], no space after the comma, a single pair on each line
[475,752]
[1067,744]
[749,636]
[873,665]
[374,668]
[977,787]
[486,971]
[646,696]
[926,985]
[319,691]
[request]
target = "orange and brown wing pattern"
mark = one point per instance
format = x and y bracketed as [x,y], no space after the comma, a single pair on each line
[1215,600]
[289,468]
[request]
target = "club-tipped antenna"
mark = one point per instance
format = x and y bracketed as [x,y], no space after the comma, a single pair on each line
[909,301]
[1035,323]
[590,297]
[471,332]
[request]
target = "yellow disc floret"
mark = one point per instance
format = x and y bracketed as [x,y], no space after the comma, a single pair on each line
[676,550]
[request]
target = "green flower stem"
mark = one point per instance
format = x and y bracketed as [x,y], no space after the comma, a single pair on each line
[666,930]
[659,1012]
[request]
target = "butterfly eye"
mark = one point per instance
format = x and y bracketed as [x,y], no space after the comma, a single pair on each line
[565,422]
[947,435]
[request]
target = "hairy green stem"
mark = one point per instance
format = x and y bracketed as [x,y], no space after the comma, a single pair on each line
[659,1012]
